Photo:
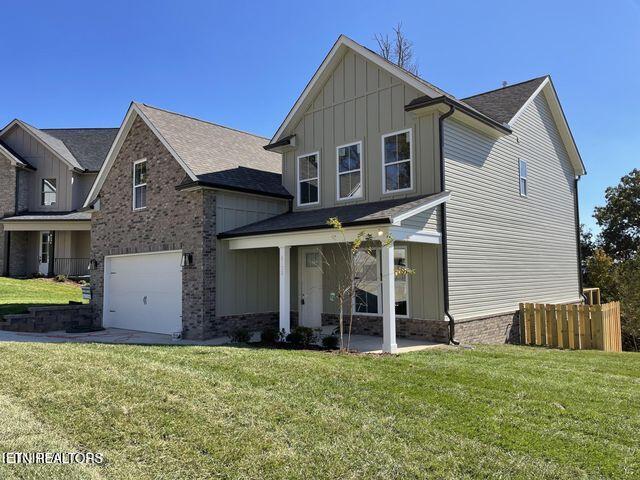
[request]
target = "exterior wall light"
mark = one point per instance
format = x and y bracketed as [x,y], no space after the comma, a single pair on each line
[187,260]
[93,264]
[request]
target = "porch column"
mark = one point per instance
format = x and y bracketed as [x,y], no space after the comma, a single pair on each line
[285,288]
[389,344]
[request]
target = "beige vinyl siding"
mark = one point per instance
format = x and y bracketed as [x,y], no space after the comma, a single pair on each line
[48,166]
[361,102]
[503,248]
[425,285]
[246,280]
[72,244]
[82,183]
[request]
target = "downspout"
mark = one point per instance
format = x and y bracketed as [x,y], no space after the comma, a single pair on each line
[578,249]
[443,226]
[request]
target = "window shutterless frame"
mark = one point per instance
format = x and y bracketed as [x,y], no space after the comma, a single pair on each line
[378,255]
[359,170]
[138,185]
[299,181]
[409,131]
[523,177]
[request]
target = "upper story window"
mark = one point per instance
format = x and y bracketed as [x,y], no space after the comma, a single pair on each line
[309,179]
[397,161]
[48,191]
[139,184]
[349,171]
[522,171]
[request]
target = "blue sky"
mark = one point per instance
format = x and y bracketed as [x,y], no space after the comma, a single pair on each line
[243,64]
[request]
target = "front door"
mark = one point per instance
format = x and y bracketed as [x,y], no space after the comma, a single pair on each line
[310,266]
[43,253]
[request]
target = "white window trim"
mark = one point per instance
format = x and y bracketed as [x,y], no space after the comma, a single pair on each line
[521,178]
[379,270]
[133,181]
[410,160]
[317,154]
[338,172]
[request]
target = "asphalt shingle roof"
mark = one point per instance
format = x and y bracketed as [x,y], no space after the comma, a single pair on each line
[363,213]
[56,216]
[89,146]
[219,155]
[502,104]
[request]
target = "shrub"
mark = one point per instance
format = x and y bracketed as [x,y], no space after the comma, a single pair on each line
[240,335]
[270,335]
[330,342]
[303,336]
[60,278]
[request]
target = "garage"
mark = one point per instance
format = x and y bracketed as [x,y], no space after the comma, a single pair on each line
[144,292]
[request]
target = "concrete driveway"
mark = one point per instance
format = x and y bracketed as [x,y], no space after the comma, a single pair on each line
[361,343]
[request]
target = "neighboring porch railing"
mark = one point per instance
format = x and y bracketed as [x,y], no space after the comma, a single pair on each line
[71,267]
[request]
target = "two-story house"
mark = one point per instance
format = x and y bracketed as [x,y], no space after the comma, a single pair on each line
[45,177]
[198,230]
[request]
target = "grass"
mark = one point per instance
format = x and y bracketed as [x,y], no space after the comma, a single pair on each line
[224,412]
[16,295]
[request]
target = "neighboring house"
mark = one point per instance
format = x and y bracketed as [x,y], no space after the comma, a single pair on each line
[195,231]
[45,176]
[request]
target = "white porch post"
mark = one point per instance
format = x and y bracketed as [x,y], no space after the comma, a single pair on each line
[285,288]
[389,344]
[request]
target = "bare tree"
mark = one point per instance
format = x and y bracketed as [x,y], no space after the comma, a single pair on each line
[399,50]
[351,264]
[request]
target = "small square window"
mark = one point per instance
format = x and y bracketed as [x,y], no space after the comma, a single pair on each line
[48,191]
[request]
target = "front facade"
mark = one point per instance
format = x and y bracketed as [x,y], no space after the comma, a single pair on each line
[198,230]
[46,177]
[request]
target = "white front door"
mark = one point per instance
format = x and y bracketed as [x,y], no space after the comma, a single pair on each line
[43,253]
[310,266]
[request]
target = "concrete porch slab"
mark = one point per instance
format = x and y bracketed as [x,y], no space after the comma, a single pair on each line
[360,343]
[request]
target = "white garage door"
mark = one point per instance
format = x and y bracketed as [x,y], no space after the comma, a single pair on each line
[144,292]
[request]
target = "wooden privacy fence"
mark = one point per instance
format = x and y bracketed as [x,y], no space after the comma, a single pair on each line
[579,327]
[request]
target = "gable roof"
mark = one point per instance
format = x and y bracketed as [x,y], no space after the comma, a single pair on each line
[372,213]
[83,149]
[502,104]
[89,146]
[211,155]
[430,91]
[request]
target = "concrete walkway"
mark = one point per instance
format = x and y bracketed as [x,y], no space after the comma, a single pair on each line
[361,343]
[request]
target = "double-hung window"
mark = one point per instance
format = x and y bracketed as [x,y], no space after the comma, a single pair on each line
[522,172]
[349,171]
[397,162]
[309,179]
[48,191]
[140,184]
[368,273]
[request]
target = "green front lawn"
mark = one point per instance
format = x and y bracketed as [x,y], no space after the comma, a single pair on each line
[17,295]
[224,412]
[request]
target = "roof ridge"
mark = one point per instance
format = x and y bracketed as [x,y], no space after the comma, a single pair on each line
[506,87]
[204,121]
[79,128]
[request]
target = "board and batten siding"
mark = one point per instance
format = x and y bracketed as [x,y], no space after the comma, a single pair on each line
[361,102]
[503,248]
[246,280]
[48,166]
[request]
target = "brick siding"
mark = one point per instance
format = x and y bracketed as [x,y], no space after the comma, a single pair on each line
[498,329]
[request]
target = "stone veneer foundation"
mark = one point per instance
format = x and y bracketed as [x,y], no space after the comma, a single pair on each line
[499,329]
[433,330]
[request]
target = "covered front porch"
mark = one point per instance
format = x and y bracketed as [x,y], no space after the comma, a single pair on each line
[401,233]
[47,244]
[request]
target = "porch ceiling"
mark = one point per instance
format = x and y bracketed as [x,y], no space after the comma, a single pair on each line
[32,221]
